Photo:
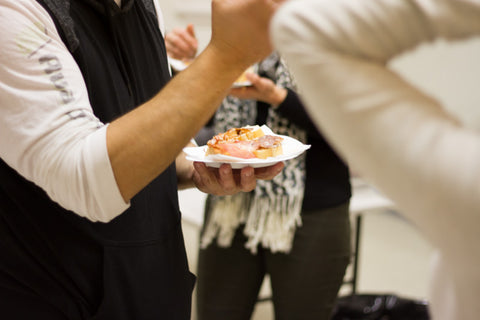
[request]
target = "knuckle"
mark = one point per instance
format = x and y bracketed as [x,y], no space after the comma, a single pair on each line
[230,189]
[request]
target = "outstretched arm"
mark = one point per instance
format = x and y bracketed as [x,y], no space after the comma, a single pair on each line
[52,138]
[396,136]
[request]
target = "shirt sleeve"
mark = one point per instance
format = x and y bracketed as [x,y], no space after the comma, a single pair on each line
[399,138]
[48,131]
[293,109]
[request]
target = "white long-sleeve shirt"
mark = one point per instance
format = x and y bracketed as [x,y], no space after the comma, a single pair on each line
[48,132]
[397,137]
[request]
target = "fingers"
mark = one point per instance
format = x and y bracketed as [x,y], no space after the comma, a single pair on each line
[262,89]
[252,91]
[189,41]
[191,30]
[262,84]
[233,181]
[268,173]
[175,47]
[227,181]
[266,90]
[181,44]
[252,77]
[247,92]
[221,181]
[203,177]
[248,179]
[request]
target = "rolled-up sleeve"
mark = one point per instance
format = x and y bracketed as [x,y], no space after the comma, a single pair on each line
[48,132]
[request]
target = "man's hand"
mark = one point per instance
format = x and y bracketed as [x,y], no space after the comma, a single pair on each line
[240,29]
[182,44]
[227,181]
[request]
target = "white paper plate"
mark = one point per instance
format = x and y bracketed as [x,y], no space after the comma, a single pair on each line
[177,65]
[241,84]
[292,148]
[245,83]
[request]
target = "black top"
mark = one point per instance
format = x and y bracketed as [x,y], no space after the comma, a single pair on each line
[327,176]
[134,267]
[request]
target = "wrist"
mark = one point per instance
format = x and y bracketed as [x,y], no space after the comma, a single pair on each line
[226,65]
[278,96]
[225,56]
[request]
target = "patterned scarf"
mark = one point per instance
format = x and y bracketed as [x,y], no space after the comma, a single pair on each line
[271,212]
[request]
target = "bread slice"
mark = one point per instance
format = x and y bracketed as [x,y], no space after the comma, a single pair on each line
[247,142]
[212,150]
[250,133]
[263,153]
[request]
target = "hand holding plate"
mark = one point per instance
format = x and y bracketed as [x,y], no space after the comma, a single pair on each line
[227,181]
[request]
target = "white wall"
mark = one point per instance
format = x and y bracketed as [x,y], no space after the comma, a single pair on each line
[178,13]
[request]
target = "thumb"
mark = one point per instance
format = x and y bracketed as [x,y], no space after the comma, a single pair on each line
[258,82]
[252,77]
[191,30]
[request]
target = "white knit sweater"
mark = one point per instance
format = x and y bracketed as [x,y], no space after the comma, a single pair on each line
[397,137]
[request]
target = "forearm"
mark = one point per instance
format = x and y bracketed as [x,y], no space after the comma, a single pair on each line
[155,132]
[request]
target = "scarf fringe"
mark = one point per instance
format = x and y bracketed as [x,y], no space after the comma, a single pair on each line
[274,226]
[225,216]
[269,222]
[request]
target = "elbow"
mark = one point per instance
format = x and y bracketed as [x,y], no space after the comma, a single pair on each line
[89,206]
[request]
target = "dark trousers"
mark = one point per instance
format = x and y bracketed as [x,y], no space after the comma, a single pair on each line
[305,282]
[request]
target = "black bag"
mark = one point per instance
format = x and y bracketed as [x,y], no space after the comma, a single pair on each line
[379,307]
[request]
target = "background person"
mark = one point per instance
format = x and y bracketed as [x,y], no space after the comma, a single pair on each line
[294,228]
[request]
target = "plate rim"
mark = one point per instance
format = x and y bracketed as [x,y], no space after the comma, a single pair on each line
[257,163]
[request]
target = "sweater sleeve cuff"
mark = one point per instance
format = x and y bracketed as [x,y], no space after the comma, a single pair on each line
[109,201]
[290,99]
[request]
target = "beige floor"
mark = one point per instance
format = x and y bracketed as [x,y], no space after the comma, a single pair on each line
[394,257]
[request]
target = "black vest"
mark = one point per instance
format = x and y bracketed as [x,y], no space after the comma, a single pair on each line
[57,265]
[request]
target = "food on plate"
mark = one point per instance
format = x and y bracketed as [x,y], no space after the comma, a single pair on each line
[247,143]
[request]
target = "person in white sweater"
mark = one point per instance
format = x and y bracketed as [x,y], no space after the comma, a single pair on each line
[396,136]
